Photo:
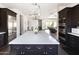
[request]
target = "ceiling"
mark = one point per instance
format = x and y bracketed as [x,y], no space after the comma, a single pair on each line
[45,10]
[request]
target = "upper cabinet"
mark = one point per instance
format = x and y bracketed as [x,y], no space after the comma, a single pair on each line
[65,20]
[69,17]
[63,14]
[75,16]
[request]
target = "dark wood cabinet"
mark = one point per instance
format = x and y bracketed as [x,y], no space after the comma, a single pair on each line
[4,13]
[75,16]
[73,44]
[68,19]
[2,39]
[65,18]
[73,41]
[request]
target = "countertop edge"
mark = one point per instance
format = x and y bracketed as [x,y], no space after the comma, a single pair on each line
[74,34]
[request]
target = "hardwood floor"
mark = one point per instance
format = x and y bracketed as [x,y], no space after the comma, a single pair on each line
[61,51]
[5,50]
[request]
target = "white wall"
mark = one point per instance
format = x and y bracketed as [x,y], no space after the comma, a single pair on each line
[25,23]
[2,6]
[52,19]
[46,20]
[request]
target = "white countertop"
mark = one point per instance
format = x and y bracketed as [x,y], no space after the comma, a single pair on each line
[30,38]
[75,34]
[2,32]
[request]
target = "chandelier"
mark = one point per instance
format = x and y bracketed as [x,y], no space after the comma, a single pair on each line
[36,11]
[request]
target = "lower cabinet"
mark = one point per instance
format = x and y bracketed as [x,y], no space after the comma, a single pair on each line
[72,44]
[1,40]
[34,49]
[73,41]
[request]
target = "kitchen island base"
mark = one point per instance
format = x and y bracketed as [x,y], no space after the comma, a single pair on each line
[34,49]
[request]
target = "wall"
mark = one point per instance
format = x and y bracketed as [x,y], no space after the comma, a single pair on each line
[53,20]
[46,20]
[2,6]
[25,23]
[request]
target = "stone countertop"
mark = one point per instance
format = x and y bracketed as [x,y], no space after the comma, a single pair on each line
[31,38]
[75,34]
[2,32]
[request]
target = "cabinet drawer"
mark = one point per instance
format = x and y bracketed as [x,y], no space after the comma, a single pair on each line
[34,47]
[40,47]
[52,49]
[16,49]
[33,50]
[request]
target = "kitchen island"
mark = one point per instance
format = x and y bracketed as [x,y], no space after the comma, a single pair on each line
[34,44]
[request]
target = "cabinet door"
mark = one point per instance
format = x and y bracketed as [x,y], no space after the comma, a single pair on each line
[1,40]
[74,41]
[34,50]
[28,49]
[40,49]
[52,49]
[16,49]
[75,17]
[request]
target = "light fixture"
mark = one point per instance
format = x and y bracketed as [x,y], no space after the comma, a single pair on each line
[36,11]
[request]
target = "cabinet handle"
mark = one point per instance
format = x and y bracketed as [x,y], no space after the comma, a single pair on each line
[21,52]
[29,48]
[17,48]
[39,48]
[46,52]
[50,48]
